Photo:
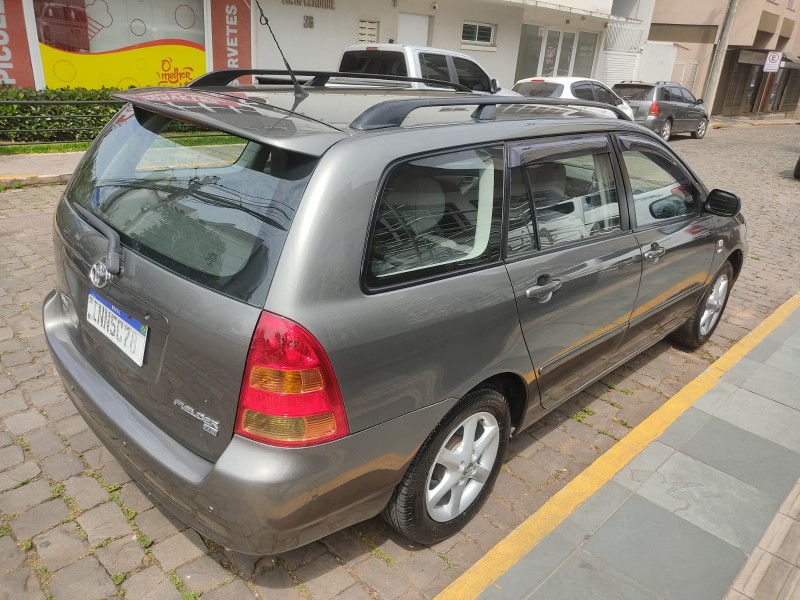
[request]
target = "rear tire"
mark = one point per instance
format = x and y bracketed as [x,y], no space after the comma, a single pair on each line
[454,471]
[699,328]
[700,132]
[666,130]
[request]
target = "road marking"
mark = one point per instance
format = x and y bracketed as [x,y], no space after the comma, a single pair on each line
[519,542]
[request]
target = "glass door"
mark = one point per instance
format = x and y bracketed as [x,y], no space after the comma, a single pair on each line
[550,55]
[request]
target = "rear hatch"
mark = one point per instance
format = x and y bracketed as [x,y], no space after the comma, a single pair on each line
[638,95]
[202,217]
[375,62]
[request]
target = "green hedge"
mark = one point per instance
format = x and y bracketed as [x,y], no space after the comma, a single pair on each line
[53,122]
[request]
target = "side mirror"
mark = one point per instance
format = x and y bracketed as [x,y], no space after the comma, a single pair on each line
[699,101]
[618,101]
[722,203]
[494,87]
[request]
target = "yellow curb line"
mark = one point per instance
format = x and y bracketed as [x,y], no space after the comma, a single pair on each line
[519,542]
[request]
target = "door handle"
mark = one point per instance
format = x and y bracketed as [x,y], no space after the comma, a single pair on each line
[656,251]
[544,288]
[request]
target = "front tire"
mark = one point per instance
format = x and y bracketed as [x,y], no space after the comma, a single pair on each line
[666,130]
[699,328]
[454,471]
[700,132]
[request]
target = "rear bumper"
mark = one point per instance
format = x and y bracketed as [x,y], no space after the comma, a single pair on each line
[652,123]
[255,499]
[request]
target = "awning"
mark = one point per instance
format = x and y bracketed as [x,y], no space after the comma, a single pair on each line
[790,61]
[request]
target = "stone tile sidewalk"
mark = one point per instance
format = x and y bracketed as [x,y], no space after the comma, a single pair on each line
[682,518]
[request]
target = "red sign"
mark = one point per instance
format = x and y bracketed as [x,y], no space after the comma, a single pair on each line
[15,61]
[230,34]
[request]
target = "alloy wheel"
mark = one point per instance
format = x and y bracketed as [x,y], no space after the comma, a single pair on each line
[462,466]
[714,304]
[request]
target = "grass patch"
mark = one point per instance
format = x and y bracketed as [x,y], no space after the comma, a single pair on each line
[617,405]
[144,541]
[450,564]
[26,545]
[118,578]
[56,489]
[581,414]
[129,513]
[374,550]
[22,483]
[44,148]
[23,443]
[185,594]
[604,432]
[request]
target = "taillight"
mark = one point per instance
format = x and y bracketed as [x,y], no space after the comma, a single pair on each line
[289,393]
[654,111]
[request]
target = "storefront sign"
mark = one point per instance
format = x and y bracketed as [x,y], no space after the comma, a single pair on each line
[15,62]
[230,34]
[95,43]
[327,4]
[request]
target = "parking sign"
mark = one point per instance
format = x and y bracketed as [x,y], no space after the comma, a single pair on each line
[773,62]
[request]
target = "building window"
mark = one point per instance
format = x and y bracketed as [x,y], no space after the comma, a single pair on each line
[477,33]
[790,4]
[368,31]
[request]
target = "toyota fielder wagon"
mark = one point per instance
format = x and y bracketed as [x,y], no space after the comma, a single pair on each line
[285,311]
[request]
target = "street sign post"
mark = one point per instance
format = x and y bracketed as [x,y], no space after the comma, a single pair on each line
[773,62]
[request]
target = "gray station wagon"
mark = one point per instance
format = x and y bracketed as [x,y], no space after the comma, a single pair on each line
[287,310]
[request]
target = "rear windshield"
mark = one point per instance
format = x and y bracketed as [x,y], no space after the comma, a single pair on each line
[539,89]
[634,92]
[211,207]
[376,62]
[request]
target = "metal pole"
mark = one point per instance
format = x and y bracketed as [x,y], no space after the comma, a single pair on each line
[712,81]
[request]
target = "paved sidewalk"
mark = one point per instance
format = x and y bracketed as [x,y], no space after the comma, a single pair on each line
[708,510]
[35,169]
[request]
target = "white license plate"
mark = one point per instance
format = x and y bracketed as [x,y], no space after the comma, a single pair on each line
[127,334]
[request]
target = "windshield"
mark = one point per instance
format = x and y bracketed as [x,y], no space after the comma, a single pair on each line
[634,92]
[539,89]
[211,207]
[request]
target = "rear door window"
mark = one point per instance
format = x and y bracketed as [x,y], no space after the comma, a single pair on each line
[583,90]
[211,207]
[471,75]
[437,215]
[434,66]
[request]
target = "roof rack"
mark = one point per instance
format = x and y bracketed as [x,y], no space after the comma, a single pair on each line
[392,113]
[318,78]
[665,82]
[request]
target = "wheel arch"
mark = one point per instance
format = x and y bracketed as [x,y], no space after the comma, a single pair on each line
[514,388]
[736,259]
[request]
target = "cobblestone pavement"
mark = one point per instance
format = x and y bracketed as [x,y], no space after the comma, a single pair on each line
[75,526]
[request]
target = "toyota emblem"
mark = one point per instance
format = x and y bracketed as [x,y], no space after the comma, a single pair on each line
[99,274]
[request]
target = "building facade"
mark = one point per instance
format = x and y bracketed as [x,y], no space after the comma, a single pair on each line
[123,43]
[759,26]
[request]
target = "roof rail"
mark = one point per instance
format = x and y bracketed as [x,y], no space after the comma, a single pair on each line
[318,78]
[664,81]
[392,113]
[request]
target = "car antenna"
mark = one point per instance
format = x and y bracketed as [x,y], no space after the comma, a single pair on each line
[299,92]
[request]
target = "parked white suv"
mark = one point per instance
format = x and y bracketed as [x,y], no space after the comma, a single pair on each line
[420,62]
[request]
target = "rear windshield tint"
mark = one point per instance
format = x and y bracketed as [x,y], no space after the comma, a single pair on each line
[539,89]
[211,207]
[375,62]
[634,92]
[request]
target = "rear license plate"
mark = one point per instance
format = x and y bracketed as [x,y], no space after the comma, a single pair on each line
[128,334]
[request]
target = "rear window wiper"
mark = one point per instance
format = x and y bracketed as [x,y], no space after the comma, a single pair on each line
[114,251]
